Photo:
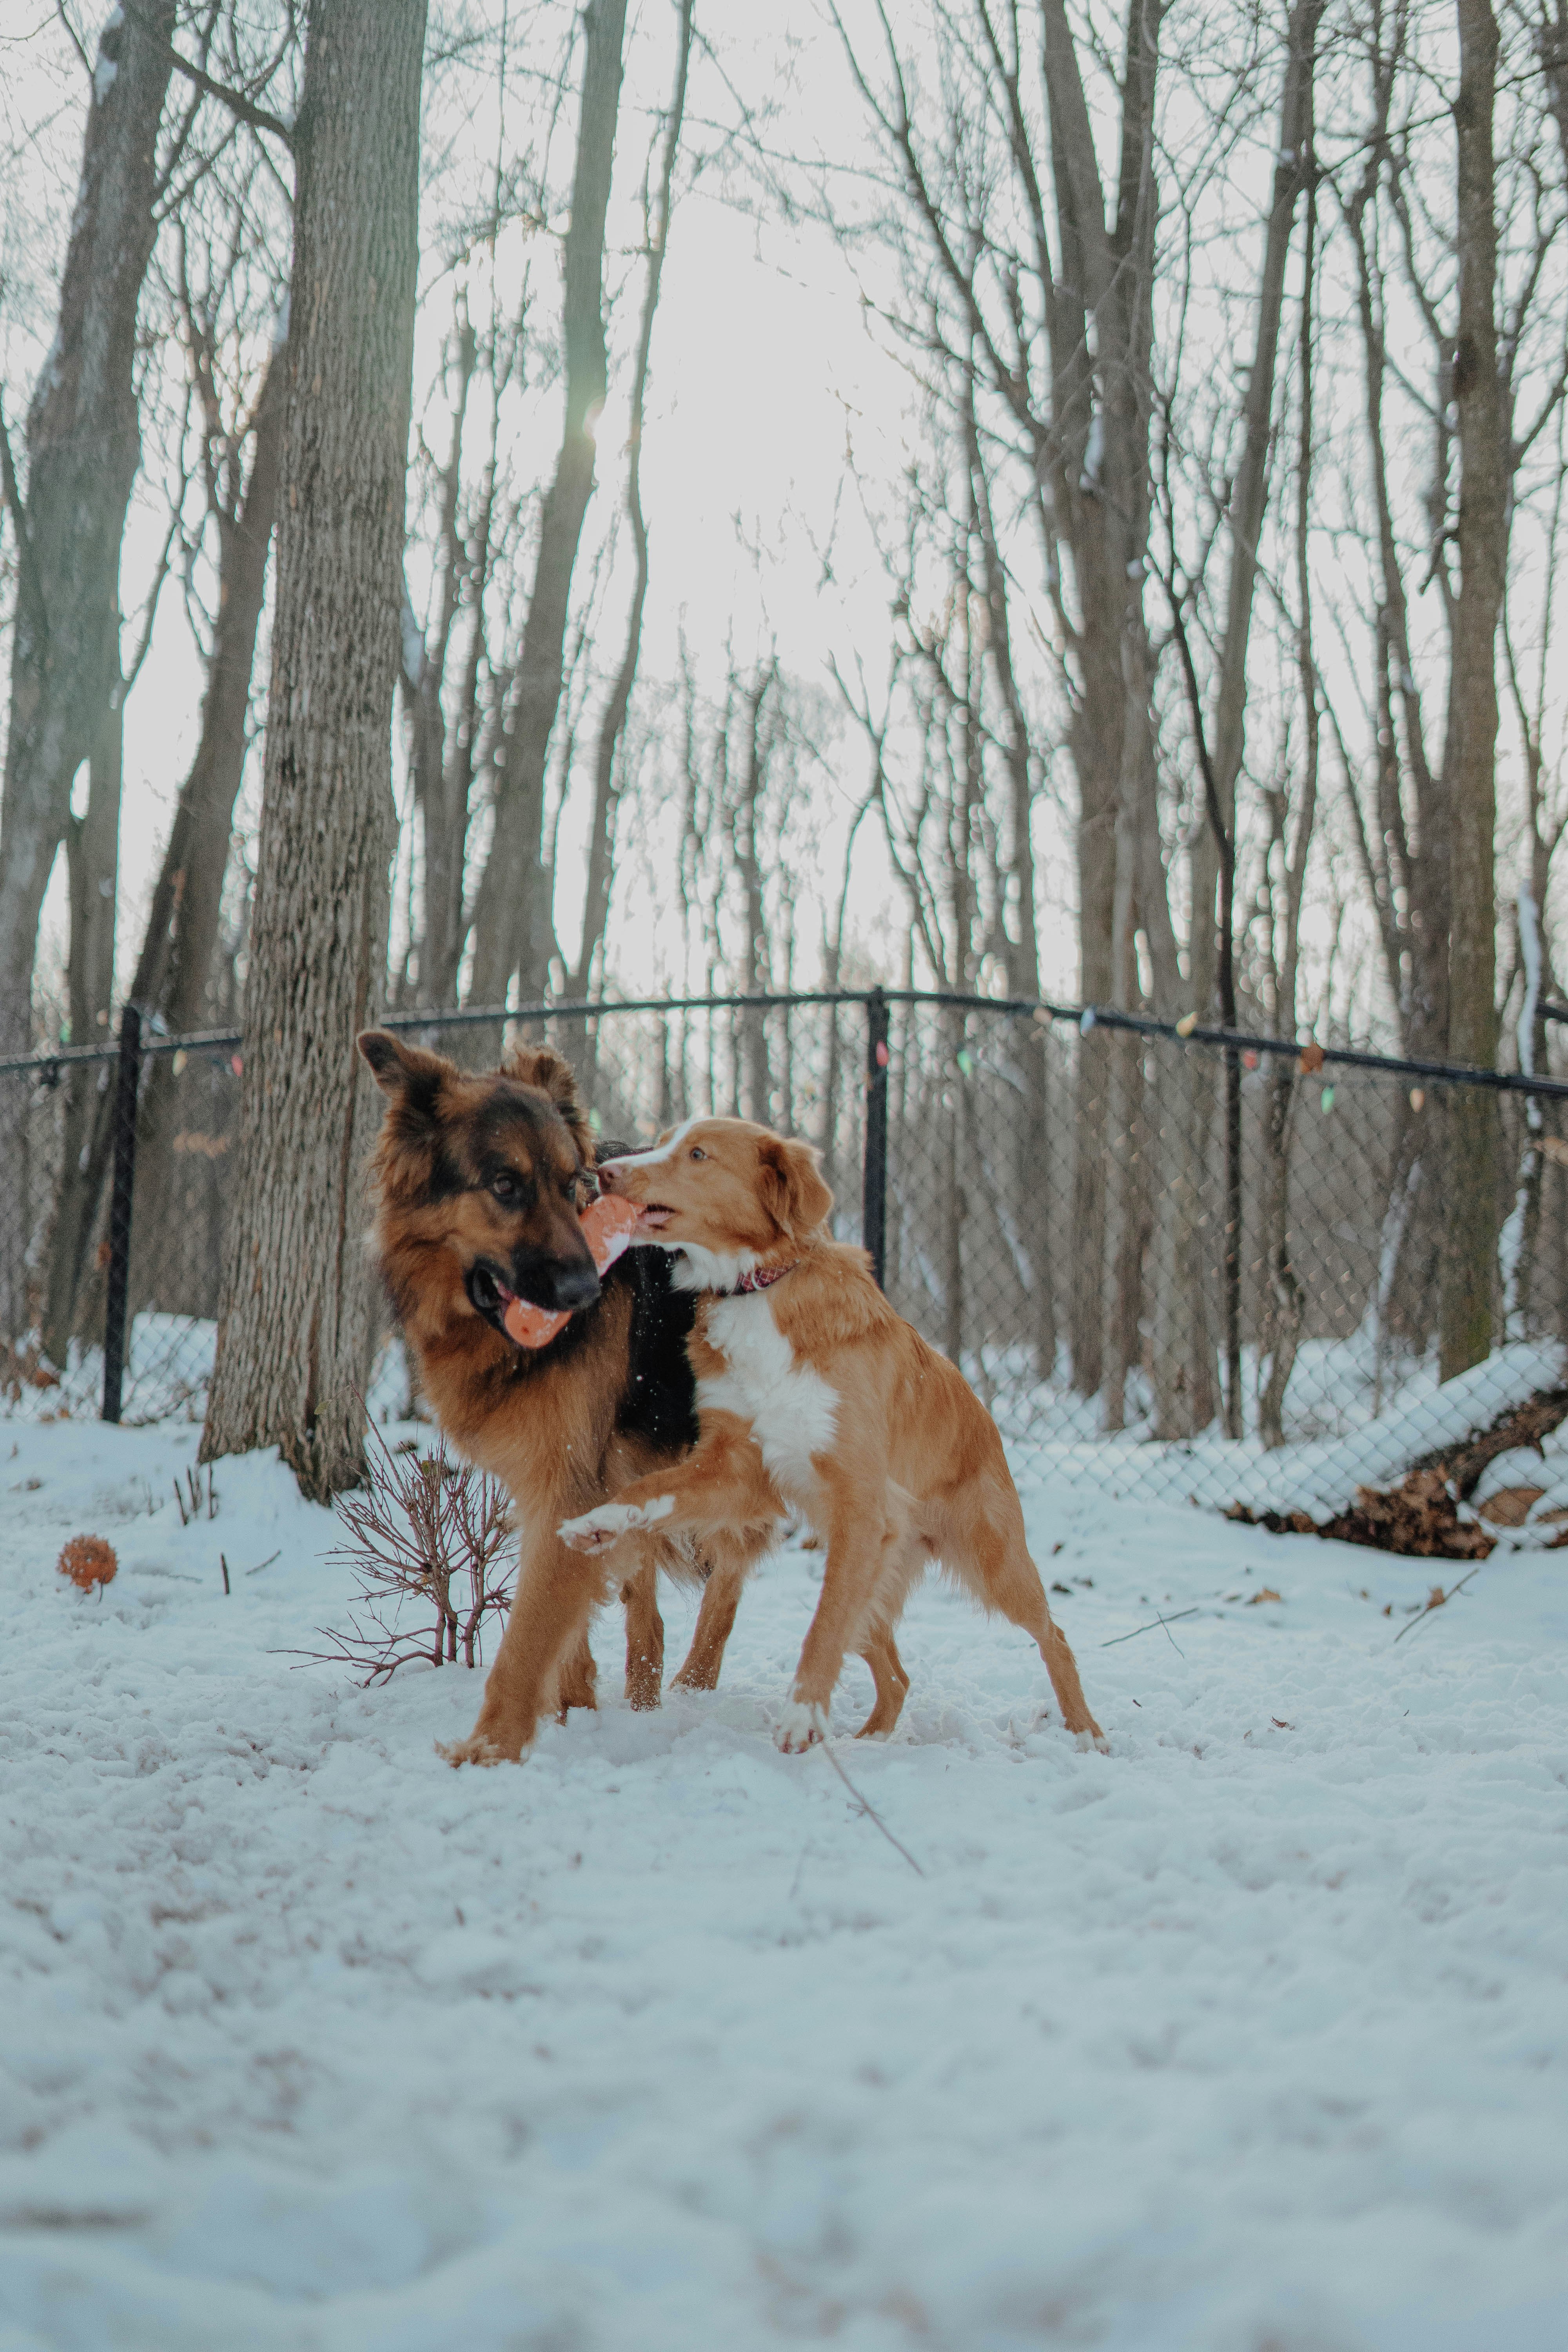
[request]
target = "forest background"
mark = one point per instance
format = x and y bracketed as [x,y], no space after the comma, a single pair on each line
[998,496]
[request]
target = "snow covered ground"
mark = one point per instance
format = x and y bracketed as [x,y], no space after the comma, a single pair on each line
[1251,2036]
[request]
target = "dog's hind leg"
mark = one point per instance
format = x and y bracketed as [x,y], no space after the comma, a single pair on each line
[982,1542]
[905,1553]
[645,1638]
[881,1653]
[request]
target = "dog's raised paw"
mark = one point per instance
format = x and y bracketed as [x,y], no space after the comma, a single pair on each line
[800,1727]
[597,1529]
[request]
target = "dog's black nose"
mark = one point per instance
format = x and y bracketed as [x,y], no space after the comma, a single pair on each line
[575,1287]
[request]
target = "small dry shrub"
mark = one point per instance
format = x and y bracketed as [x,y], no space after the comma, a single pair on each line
[425,1539]
[88,1561]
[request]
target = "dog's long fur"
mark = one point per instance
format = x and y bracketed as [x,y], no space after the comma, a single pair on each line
[478,1182]
[812,1392]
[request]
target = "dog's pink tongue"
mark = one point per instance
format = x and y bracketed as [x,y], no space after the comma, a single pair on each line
[531,1325]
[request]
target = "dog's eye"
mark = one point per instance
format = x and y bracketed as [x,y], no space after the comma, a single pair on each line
[697,1153]
[506,1186]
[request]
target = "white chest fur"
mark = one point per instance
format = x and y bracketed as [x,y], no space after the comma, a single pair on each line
[792,1410]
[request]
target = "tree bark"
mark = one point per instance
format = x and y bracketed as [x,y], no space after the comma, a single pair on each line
[84,445]
[513,919]
[1470,753]
[1286,1299]
[1099,464]
[295,1332]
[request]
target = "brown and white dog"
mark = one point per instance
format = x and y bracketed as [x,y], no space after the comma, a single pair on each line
[811,1392]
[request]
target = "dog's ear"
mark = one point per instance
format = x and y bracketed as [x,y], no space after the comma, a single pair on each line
[793,1194]
[411,1077]
[536,1065]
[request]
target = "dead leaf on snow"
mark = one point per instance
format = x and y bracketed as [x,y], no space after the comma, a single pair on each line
[1267,1593]
[1510,1506]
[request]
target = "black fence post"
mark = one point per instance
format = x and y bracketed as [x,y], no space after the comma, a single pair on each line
[118,1287]
[874,1185]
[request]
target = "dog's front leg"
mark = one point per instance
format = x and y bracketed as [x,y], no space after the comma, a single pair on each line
[556,1594]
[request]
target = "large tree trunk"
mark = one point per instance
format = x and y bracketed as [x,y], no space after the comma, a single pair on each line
[295,1333]
[83,448]
[514,928]
[1099,446]
[1471,749]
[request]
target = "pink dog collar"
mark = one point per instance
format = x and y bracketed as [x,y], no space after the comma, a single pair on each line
[764,1278]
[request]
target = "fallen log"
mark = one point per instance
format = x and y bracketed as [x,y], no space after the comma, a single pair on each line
[1419,1517]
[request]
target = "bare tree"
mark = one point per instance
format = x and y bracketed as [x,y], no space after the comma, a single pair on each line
[612,723]
[83,447]
[174,967]
[513,925]
[1469,754]
[994,171]
[442,763]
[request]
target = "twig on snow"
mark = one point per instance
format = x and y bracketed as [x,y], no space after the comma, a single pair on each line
[869,1809]
[1173,1619]
[1439,1599]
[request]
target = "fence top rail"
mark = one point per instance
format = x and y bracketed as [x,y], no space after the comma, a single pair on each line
[60,1057]
[1086,1018]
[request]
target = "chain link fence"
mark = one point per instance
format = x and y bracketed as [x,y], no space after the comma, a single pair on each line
[1178,1267]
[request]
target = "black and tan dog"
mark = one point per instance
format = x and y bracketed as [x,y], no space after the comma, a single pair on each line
[479,1181]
